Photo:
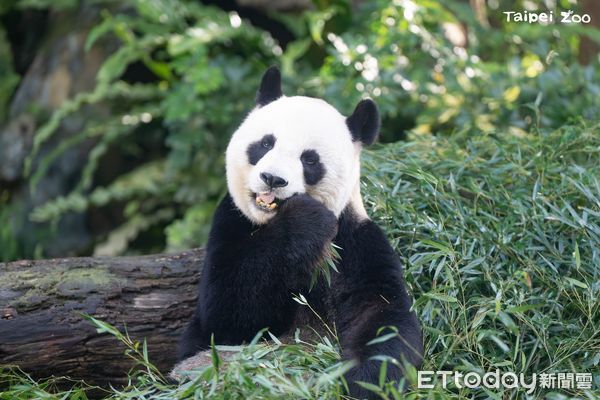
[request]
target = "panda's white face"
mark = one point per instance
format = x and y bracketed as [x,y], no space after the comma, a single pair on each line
[292,145]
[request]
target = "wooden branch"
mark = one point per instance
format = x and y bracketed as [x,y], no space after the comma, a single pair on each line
[42,330]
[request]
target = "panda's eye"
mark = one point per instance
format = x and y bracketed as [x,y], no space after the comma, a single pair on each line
[310,157]
[267,143]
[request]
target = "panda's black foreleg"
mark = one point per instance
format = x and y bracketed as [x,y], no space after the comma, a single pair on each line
[371,301]
[404,346]
[251,273]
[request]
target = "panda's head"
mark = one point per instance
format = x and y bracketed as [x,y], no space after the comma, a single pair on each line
[292,145]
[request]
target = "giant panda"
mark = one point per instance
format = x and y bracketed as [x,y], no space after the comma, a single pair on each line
[293,178]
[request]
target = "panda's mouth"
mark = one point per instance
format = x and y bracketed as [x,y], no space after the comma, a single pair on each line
[266,201]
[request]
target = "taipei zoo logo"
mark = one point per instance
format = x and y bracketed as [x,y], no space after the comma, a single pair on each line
[547,18]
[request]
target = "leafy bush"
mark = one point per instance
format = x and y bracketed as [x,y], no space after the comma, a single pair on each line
[201,61]
[9,78]
[500,236]
[509,77]
[205,64]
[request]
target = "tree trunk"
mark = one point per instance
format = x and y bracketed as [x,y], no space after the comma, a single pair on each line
[588,49]
[41,305]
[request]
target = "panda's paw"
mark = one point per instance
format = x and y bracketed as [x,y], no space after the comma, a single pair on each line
[308,213]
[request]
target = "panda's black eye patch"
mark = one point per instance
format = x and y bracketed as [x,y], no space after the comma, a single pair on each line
[314,170]
[258,149]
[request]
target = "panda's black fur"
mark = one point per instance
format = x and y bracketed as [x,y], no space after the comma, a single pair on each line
[252,271]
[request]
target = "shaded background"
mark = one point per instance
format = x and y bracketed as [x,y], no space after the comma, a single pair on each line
[114,115]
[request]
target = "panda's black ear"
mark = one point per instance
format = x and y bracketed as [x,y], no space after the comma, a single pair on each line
[270,87]
[364,122]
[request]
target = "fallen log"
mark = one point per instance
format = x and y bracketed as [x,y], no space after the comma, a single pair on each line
[42,330]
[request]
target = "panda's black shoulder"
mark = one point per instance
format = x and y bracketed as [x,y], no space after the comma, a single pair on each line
[229,222]
[228,212]
[360,231]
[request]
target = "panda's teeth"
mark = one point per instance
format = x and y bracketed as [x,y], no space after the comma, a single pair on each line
[265,206]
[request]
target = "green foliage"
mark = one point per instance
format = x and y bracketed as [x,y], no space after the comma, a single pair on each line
[510,77]
[198,58]
[500,236]
[20,386]
[205,65]
[258,370]
[8,78]
[9,246]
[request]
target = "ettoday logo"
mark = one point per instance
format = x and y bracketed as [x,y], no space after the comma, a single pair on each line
[506,380]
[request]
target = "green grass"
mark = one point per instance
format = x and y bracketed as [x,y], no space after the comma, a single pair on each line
[500,236]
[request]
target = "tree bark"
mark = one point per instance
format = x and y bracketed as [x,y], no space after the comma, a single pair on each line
[41,305]
[588,49]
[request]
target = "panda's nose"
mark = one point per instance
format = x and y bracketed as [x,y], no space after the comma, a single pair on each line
[272,180]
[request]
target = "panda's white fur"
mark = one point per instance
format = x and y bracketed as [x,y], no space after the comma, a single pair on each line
[298,123]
